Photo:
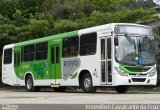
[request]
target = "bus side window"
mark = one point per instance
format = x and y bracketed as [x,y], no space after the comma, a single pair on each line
[16,59]
[7,56]
[88,44]
[29,52]
[41,51]
[70,47]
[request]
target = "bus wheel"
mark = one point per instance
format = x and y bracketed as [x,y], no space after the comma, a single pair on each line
[87,84]
[121,89]
[29,84]
[60,89]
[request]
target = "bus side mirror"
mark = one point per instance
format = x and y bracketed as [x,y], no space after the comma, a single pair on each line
[116,41]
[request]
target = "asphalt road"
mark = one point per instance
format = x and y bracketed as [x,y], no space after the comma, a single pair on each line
[21,96]
[47,99]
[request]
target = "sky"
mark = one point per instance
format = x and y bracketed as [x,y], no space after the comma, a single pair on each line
[157,1]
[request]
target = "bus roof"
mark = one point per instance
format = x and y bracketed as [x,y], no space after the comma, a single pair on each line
[43,39]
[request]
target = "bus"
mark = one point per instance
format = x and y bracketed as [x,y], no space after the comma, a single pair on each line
[116,54]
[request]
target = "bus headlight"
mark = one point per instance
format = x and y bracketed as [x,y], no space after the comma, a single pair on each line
[121,72]
[152,72]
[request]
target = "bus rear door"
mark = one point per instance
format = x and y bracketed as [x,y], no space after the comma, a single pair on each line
[55,58]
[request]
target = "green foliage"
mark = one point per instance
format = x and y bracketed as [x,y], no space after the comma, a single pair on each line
[19,19]
[28,19]
[65,26]
[8,32]
[137,15]
[108,5]
[141,4]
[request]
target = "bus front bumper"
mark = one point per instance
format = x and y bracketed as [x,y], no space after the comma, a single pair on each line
[134,80]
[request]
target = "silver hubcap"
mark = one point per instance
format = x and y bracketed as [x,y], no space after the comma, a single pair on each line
[29,83]
[87,83]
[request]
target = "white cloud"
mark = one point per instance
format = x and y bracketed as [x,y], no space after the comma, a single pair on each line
[157,1]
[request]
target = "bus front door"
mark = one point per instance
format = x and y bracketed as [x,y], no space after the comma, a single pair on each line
[55,69]
[106,62]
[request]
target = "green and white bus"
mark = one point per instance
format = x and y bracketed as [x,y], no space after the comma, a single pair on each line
[116,54]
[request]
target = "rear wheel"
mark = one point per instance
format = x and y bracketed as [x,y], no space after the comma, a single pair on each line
[121,89]
[29,84]
[87,84]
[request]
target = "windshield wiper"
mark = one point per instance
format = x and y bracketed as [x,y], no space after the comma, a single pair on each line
[132,42]
[129,39]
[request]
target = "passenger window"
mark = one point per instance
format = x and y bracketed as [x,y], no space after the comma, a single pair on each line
[41,51]
[29,52]
[17,59]
[7,56]
[70,47]
[88,43]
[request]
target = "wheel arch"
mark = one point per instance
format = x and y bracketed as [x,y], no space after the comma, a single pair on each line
[26,75]
[81,74]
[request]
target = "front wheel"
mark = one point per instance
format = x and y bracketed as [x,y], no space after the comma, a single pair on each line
[121,89]
[87,84]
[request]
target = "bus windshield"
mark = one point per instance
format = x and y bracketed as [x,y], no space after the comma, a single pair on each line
[135,50]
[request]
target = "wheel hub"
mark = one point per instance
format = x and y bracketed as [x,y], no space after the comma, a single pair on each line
[87,83]
[29,83]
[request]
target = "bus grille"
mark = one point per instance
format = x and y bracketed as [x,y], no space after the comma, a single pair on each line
[138,74]
[138,79]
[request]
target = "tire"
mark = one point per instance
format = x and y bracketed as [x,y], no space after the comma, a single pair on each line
[121,89]
[30,86]
[87,84]
[60,89]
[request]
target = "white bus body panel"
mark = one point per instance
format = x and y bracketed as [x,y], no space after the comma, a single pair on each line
[8,75]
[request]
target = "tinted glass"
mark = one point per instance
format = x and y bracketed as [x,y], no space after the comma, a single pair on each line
[29,48]
[52,55]
[70,47]
[109,48]
[88,44]
[16,59]
[41,51]
[7,56]
[102,49]
[57,54]
[29,52]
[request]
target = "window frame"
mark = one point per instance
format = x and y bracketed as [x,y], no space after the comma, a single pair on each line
[8,56]
[17,59]
[88,35]
[27,53]
[40,51]
[75,46]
